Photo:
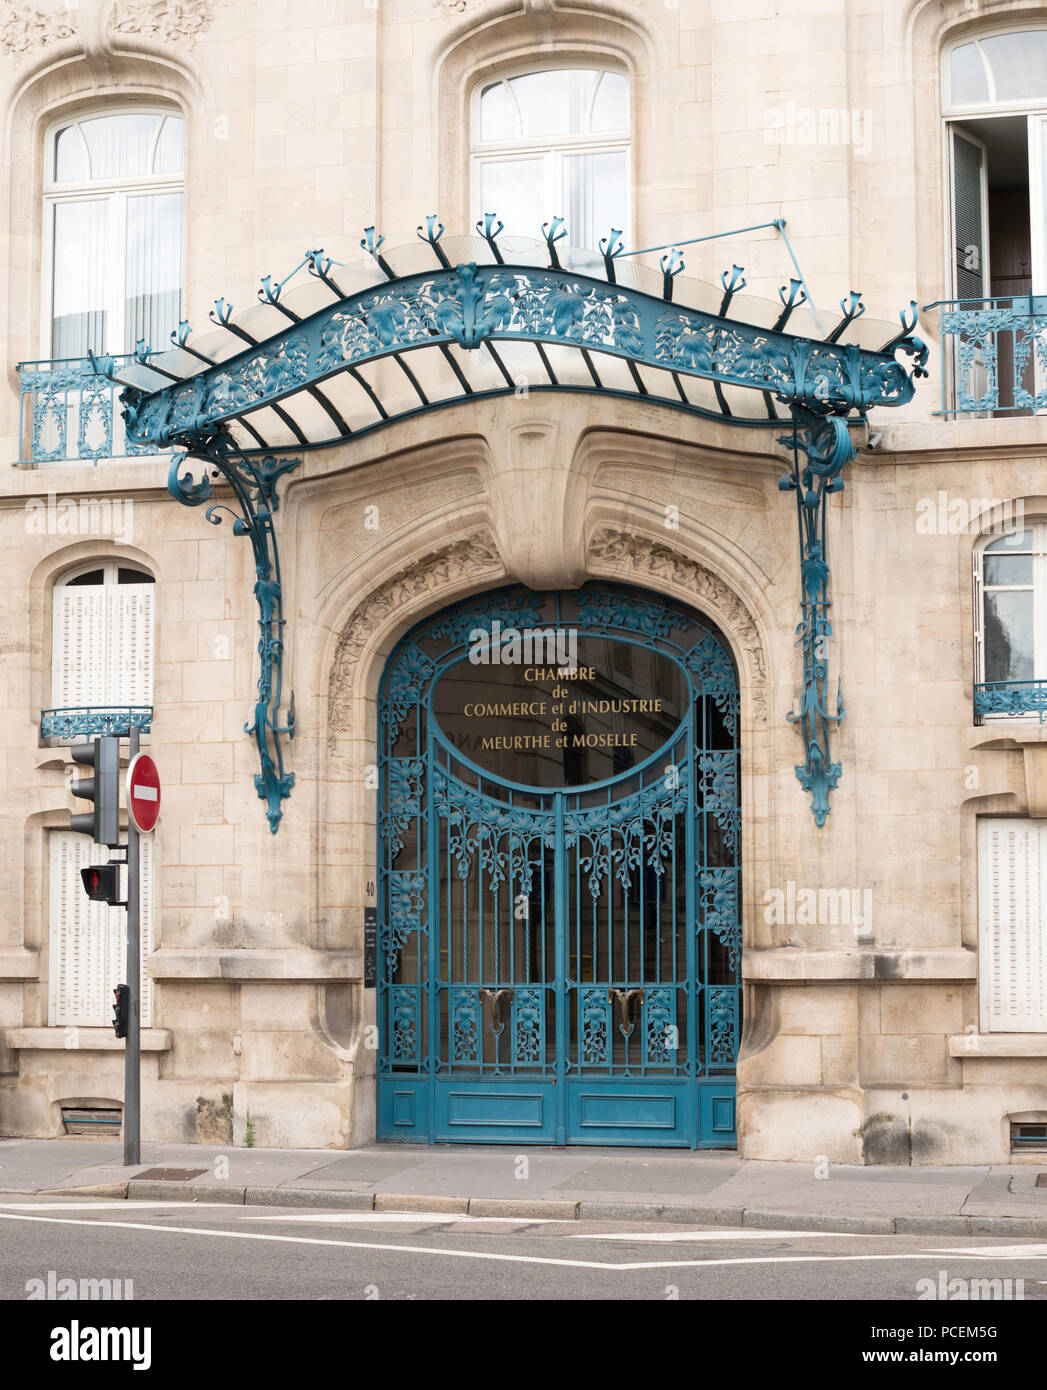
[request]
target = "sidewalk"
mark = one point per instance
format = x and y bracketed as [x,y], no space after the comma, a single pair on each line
[710,1188]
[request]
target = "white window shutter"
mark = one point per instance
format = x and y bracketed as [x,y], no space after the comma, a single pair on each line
[82,936]
[1012,887]
[130,644]
[78,644]
[88,941]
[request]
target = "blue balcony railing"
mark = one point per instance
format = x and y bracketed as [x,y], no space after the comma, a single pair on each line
[91,721]
[998,354]
[1010,697]
[69,413]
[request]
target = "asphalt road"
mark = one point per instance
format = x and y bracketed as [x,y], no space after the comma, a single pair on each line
[216,1253]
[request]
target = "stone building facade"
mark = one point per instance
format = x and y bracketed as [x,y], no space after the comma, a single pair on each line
[894,962]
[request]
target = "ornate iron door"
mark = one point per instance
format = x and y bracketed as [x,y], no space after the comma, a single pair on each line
[559,954]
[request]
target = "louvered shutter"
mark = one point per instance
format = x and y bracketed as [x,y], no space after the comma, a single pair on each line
[130,644]
[78,644]
[88,941]
[1012,887]
[970,235]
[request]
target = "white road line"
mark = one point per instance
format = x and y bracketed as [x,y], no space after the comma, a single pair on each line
[752,1234]
[122,1204]
[419,1218]
[477,1254]
[1004,1252]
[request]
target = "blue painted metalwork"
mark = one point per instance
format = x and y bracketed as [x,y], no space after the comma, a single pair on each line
[1014,698]
[454,316]
[826,446]
[472,305]
[1000,346]
[90,721]
[71,412]
[254,482]
[560,964]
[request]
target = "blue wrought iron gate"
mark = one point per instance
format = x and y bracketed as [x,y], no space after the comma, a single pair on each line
[559,951]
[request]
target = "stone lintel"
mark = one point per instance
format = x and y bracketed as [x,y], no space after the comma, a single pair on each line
[16,963]
[76,1038]
[798,965]
[998,1045]
[293,963]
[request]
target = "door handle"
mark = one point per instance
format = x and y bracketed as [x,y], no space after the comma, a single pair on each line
[625,1000]
[494,997]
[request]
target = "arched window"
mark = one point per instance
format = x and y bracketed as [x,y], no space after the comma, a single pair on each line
[553,143]
[113,231]
[102,649]
[1011,622]
[995,103]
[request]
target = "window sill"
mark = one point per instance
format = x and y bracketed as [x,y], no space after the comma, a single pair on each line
[77,1038]
[998,1045]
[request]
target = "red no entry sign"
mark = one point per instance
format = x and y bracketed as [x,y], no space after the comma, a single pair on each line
[143,792]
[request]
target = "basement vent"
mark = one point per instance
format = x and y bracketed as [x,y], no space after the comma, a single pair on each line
[1029,1138]
[102,1120]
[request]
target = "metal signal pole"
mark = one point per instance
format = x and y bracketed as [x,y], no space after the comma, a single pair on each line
[132,1043]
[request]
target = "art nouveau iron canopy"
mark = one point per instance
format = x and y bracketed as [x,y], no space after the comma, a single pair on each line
[332,352]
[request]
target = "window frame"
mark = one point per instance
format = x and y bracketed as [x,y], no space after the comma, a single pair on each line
[551,149]
[116,191]
[1035,112]
[1038,527]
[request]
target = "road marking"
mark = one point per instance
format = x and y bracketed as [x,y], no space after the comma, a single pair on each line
[418,1218]
[477,1254]
[726,1235]
[122,1204]
[1004,1252]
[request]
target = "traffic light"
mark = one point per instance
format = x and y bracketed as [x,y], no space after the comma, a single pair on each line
[102,883]
[121,1007]
[103,823]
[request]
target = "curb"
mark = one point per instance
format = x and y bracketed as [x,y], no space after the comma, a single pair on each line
[556,1210]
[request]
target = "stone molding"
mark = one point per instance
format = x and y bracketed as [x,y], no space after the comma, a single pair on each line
[86,1039]
[473,557]
[998,1045]
[653,564]
[16,963]
[292,963]
[800,965]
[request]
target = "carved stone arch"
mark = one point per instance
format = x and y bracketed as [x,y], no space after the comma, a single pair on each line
[480,48]
[634,558]
[346,811]
[385,612]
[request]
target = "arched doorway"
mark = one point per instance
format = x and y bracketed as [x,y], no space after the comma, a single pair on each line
[559,852]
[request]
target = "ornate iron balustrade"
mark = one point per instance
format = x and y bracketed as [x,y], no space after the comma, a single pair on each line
[66,412]
[1014,698]
[349,350]
[91,721]
[999,354]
